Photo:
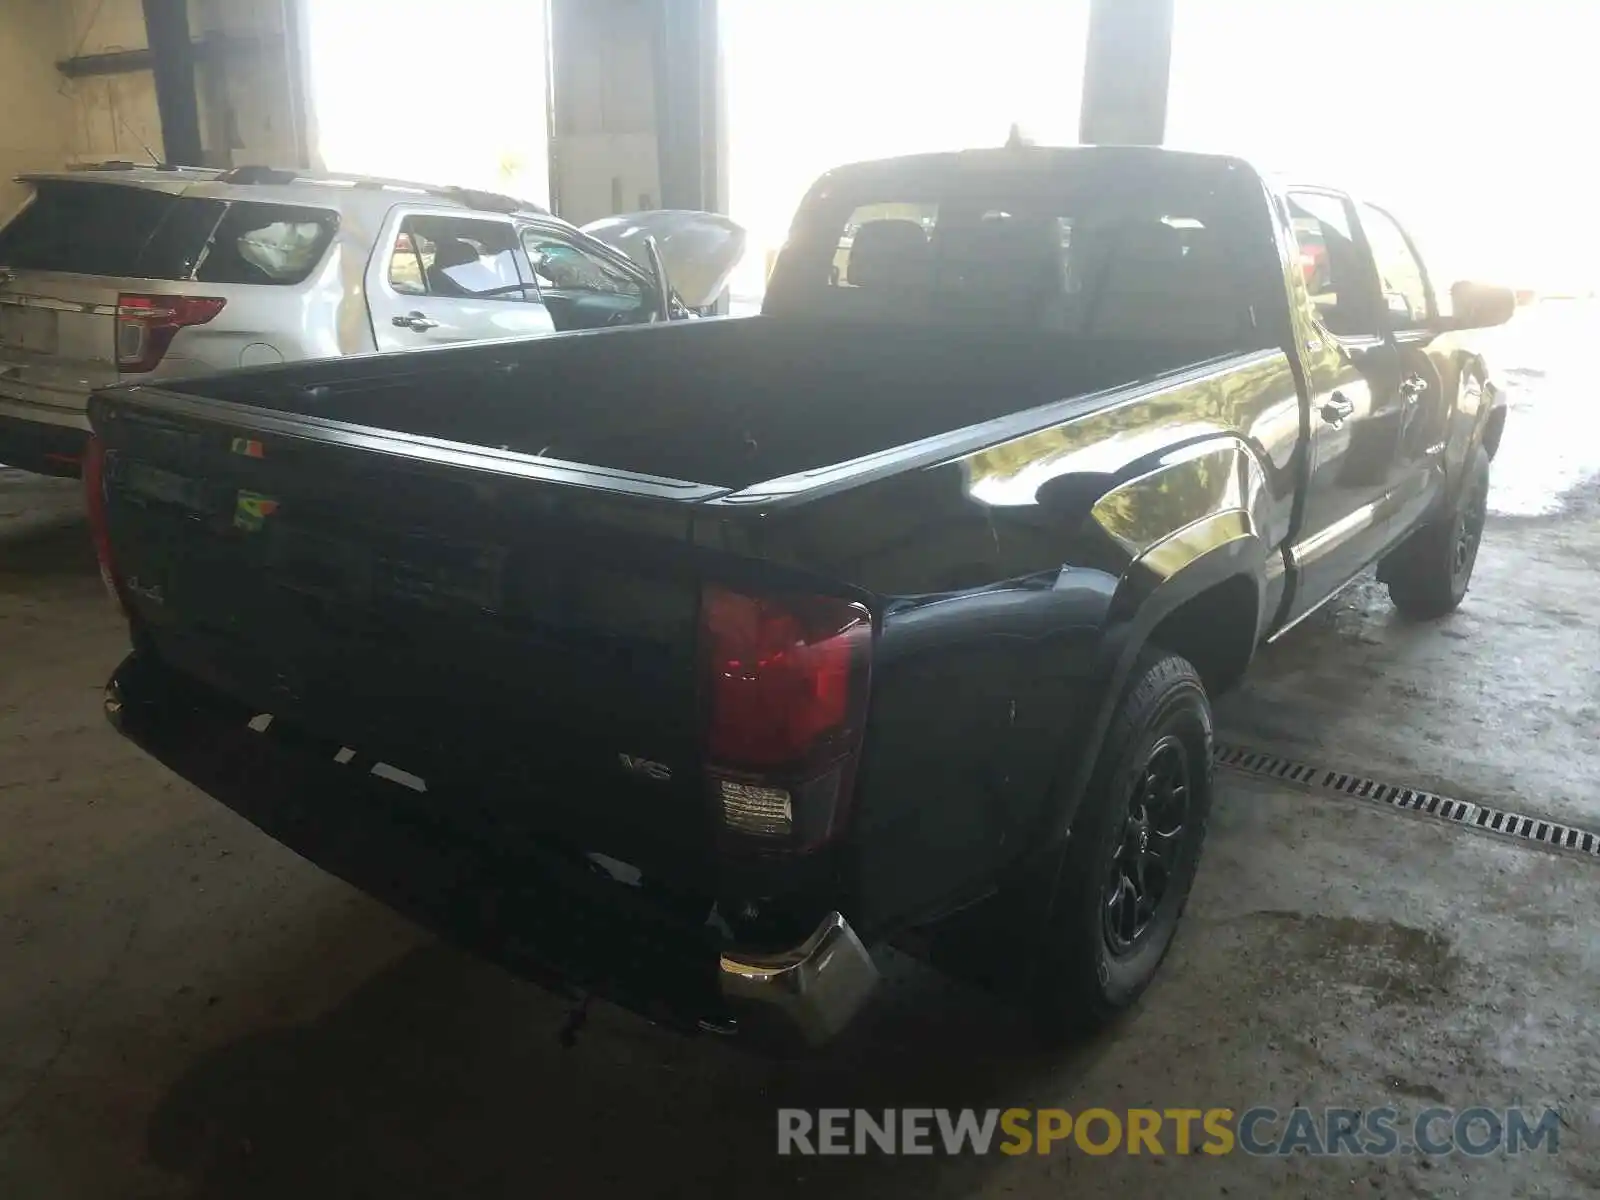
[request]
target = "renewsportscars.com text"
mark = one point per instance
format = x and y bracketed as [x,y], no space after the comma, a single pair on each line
[1263,1131]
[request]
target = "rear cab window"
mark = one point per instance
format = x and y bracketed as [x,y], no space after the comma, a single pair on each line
[1091,247]
[126,231]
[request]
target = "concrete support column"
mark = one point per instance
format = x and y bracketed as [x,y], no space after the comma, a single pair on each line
[690,128]
[1125,73]
[636,109]
[166,24]
[604,153]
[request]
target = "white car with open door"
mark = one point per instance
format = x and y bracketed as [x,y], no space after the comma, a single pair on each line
[122,273]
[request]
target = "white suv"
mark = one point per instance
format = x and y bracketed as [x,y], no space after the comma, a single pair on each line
[122,272]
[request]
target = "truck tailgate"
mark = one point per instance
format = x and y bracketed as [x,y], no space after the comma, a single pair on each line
[528,641]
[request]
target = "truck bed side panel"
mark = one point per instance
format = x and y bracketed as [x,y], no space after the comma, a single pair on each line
[1005,573]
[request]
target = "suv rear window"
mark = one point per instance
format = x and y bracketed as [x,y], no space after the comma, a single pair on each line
[86,229]
[114,229]
[266,243]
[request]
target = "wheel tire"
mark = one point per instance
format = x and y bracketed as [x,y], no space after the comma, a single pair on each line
[1429,572]
[1088,972]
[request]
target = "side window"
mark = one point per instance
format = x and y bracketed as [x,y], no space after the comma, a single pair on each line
[458,258]
[405,267]
[1333,265]
[559,266]
[1405,287]
[267,243]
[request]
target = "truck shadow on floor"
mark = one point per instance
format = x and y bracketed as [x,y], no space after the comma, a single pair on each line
[442,1076]
[46,547]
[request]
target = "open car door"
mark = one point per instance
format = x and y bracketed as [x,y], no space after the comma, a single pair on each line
[698,249]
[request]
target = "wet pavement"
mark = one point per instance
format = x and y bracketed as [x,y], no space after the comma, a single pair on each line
[1549,458]
[187,1009]
[1499,703]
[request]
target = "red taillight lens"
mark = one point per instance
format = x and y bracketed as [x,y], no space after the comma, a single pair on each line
[94,490]
[787,680]
[146,325]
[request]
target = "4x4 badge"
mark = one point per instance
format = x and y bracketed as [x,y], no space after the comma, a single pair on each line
[635,765]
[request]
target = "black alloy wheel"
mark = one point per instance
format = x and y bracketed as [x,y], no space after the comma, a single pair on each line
[1144,859]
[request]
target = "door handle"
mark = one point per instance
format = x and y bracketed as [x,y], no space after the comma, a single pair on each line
[1412,387]
[1336,409]
[416,322]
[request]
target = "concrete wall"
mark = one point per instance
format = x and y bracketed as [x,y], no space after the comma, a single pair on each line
[34,121]
[606,141]
[109,116]
[248,108]
[48,121]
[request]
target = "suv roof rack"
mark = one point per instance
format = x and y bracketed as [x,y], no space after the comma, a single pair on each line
[122,164]
[469,197]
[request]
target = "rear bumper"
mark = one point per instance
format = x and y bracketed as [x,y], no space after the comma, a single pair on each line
[545,913]
[40,440]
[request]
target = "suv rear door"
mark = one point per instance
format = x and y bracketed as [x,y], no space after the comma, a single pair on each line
[442,276]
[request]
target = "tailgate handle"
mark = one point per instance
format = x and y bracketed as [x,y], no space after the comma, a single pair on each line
[416,322]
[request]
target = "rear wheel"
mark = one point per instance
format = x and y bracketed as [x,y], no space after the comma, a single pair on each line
[1429,572]
[1125,874]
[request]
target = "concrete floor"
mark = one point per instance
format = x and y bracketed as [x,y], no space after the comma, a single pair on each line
[186,1008]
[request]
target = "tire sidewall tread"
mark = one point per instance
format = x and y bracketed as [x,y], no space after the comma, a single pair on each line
[1080,983]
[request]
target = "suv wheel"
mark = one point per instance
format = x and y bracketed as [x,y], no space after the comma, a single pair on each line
[1125,874]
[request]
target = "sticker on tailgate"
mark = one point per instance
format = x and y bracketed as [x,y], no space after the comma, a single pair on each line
[251,510]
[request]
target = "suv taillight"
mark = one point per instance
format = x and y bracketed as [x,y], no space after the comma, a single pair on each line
[146,325]
[787,679]
[94,490]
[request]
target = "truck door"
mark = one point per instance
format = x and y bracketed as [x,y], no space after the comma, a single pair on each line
[1352,370]
[1418,472]
[440,277]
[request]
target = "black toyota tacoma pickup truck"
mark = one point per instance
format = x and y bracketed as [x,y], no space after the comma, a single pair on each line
[684,665]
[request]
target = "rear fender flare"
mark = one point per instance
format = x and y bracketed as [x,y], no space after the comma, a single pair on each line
[1233,549]
[1197,520]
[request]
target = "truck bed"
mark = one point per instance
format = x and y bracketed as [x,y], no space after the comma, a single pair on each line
[727,402]
[365,550]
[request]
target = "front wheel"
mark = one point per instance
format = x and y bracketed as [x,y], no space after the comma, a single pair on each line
[1130,860]
[1429,572]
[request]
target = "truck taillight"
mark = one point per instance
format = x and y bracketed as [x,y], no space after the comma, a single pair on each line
[787,679]
[94,490]
[146,325]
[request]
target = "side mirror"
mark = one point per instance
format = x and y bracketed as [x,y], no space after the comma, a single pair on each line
[1480,305]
